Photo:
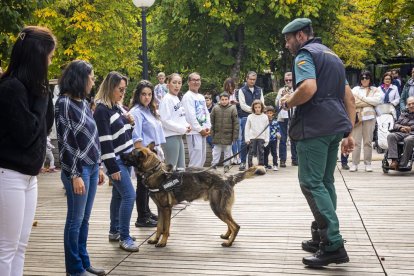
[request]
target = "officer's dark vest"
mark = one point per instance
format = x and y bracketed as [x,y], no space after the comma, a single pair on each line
[249,97]
[324,114]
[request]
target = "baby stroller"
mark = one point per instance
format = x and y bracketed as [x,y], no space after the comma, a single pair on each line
[385,121]
[386,165]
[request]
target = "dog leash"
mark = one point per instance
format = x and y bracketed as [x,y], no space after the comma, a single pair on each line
[244,147]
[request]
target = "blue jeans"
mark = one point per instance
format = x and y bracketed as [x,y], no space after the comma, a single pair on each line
[282,144]
[235,147]
[77,219]
[283,139]
[122,202]
[243,152]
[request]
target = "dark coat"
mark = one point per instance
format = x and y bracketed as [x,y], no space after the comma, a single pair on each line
[405,119]
[24,120]
[224,124]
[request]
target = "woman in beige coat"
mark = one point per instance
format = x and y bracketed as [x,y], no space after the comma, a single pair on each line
[366,98]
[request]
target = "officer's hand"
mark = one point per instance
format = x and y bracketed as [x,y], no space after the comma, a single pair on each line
[347,145]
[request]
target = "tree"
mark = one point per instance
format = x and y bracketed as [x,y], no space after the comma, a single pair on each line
[221,38]
[13,15]
[103,32]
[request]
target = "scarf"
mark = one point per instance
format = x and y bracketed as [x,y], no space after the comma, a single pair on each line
[386,89]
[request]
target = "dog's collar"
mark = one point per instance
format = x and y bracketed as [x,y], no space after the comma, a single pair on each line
[151,171]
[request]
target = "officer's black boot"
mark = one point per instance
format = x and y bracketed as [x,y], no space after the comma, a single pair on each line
[313,244]
[323,257]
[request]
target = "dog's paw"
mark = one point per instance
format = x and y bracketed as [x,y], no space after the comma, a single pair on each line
[224,236]
[152,241]
[227,244]
[161,244]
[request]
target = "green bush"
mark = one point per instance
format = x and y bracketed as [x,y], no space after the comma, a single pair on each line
[269,98]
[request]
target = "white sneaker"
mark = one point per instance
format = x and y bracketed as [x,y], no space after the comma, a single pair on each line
[353,168]
[275,168]
[368,168]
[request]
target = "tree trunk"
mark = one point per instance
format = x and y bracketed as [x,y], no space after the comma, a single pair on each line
[235,71]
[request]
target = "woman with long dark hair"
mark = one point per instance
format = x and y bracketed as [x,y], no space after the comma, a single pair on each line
[147,129]
[25,118]
[79,154]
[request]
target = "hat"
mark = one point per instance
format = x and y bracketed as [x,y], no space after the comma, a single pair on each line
[296,25]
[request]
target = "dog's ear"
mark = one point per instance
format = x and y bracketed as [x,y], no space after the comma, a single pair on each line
[151,147]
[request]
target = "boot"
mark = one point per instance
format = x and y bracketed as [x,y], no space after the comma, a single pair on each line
[324,258]
[312,245]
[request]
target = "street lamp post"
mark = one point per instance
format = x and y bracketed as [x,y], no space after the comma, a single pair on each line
[144,4]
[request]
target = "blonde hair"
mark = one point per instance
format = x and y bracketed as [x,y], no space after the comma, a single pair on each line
[107,87]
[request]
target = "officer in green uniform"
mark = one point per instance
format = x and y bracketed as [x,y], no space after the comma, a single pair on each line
[324,116]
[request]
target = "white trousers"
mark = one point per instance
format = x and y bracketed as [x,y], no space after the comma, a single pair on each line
[217,153]
[18,198]
[196,150]
[49,155]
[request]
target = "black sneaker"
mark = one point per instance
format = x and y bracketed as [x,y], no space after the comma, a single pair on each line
[242,167]
[345,167]
[295,163]
[324,258]
[283,164]
[153,216]
[145,222]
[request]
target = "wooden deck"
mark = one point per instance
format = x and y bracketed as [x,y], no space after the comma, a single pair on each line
[376,213]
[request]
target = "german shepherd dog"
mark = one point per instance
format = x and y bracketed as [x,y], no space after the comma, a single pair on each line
[194,183]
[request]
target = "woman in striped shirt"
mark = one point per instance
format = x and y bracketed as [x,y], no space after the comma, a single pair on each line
[115,133]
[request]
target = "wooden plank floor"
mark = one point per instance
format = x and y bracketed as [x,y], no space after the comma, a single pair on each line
[376,213]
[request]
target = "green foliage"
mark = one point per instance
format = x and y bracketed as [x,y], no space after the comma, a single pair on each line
[217,38]
[103,32]
[13,15]
[222,38]
[270,98]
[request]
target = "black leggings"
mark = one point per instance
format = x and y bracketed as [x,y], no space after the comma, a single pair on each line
[142,199]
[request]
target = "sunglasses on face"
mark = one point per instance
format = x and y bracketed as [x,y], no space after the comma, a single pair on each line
[364,78]
[289,80]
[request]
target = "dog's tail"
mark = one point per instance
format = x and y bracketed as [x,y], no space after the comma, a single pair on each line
[255,170]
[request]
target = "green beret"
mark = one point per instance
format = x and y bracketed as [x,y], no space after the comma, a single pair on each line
[296,25]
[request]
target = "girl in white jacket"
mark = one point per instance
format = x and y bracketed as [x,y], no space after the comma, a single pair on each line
[257,132]
[173,121]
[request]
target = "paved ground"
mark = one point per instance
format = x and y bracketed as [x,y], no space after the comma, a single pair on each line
[376,213]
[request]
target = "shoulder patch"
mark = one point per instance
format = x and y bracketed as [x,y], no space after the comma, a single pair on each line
[300,63]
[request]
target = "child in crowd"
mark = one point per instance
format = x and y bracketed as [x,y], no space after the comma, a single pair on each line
[210,104]
[224,129]
[49,156]
[160,90]
[274,135]
[257,132]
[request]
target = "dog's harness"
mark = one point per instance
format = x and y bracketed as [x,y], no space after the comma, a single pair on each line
[174,180]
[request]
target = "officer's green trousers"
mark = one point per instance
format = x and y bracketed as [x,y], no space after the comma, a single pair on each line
[317,162]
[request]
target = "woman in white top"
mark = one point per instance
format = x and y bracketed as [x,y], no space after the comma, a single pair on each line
[389,91]
[366,98]
[173,121]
